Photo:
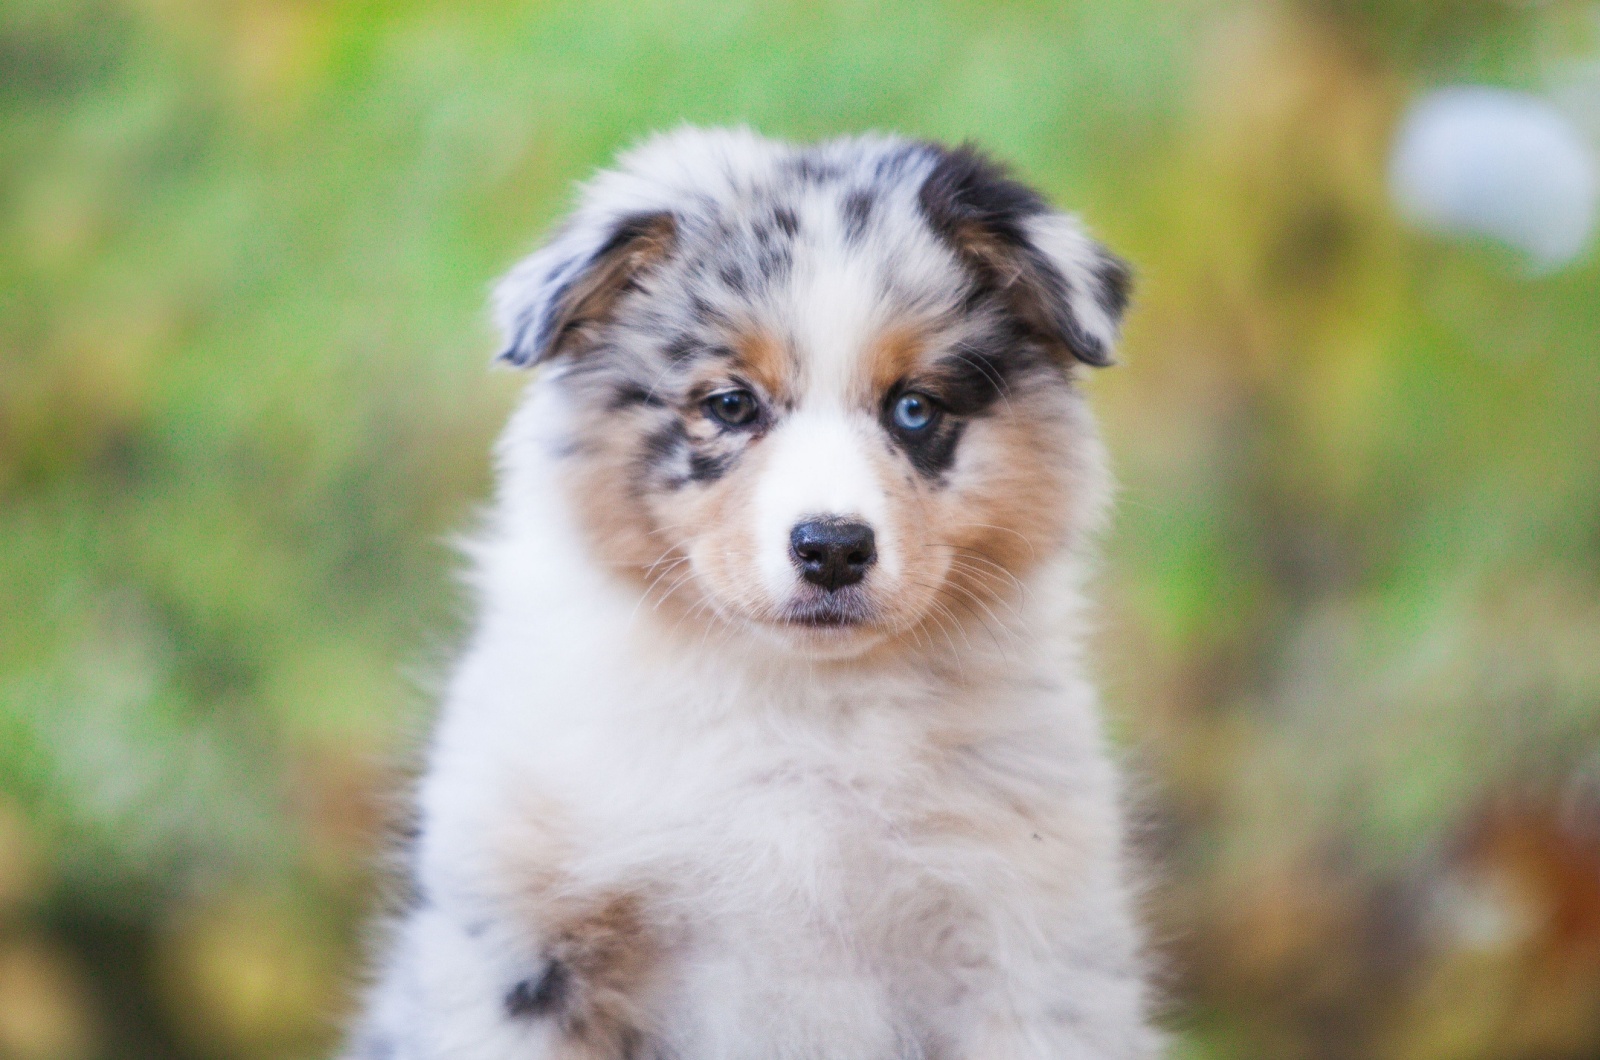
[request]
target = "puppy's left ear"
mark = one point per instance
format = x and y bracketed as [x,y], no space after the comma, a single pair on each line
[1065,286]
[1082,287]
[543,305]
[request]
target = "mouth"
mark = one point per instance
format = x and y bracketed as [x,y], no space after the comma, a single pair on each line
[825,614]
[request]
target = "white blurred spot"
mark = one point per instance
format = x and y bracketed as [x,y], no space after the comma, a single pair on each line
[1484,161]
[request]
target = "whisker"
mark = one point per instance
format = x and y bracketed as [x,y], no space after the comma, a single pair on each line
[986,559]
[1017,641]
[1007,530]
[984,580]
[669,526]
[993,624]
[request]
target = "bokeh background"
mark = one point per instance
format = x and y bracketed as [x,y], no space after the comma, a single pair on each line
[1351,634]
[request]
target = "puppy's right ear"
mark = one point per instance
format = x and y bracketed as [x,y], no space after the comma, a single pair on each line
[1069,289]
[547,299]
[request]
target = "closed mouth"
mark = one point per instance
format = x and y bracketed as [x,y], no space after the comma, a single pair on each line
[824,616]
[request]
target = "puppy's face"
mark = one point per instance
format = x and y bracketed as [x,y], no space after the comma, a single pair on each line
[826,394]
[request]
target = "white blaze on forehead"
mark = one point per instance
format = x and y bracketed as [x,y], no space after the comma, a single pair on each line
[819,466]
[822,456]
[836,307]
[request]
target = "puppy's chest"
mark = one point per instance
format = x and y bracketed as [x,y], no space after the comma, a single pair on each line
[878,866]
[872,843]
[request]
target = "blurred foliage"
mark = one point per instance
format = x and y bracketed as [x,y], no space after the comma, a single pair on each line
[1352,624]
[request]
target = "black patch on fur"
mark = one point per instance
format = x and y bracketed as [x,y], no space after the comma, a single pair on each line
[1055,294]
[773,263]
[1116,282]
[525,348]
[631,227]
[520,347]
[704,312]
[1084,346]
[971,379]
[979,292]
[629,394]
[965,187]
[967,196]
[857,210]
[539,996]
[932,454]
[705,467]
[665,443]
[681,348]
[786,220]
[732,278]
[812,170]
[932,450]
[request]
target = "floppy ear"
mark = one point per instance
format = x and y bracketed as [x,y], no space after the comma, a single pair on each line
[1067,288]
[574,280]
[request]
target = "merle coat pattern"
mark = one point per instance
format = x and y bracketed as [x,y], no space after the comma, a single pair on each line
[772,738]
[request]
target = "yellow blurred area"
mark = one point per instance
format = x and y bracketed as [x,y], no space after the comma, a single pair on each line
[19,868]
[246,976]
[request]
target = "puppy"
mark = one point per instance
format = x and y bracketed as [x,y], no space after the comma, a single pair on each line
[772,738]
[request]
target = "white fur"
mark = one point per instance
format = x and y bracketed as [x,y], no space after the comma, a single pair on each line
[1063,240]
[817,468]
[853,859]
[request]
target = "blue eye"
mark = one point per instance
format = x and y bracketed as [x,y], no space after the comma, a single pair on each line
[733,408]
[913,412]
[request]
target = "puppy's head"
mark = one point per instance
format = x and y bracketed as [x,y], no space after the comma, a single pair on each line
[822,392]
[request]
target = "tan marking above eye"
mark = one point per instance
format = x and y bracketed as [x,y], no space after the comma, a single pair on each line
[893,355]
[763,359]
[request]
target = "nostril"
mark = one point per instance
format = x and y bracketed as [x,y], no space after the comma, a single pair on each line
[833,552]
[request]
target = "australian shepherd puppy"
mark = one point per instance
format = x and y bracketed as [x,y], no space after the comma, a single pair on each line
[772,738]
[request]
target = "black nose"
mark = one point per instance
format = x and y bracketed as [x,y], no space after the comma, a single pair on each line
[833,553]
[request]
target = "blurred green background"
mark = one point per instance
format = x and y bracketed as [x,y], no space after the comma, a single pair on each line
[1351,634]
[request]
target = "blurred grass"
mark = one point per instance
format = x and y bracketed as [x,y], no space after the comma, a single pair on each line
[1352,632]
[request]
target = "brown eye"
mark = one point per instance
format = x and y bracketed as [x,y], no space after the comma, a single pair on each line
[733,408]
